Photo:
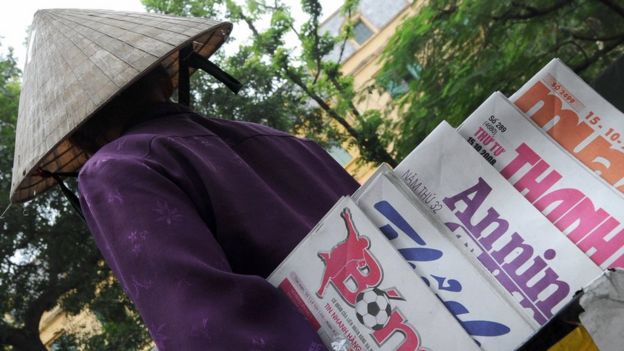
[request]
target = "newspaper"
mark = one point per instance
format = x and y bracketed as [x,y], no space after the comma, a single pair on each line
[577,201]
[577,118]
[350,283]
[457,278]
[526,254]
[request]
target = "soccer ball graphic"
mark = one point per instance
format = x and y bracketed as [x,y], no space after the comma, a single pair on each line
[372,308]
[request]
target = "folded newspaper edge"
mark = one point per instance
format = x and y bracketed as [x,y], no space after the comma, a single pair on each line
[530,258]
[576,117]
[408,262]
[458,279]
[571,196]
[349,282]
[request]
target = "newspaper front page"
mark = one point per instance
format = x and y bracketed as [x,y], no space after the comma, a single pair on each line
[458,279]
[577,201]
[349,282]
[533,261]
[576,117]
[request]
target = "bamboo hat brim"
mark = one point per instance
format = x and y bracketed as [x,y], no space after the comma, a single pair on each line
[77,61]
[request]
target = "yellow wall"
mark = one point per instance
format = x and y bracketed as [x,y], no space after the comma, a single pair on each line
[56,322]
[51,325]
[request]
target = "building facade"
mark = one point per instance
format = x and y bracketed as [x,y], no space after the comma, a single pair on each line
[374,23]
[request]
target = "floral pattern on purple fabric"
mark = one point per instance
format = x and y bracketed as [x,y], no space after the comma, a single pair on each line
[114,197]
[166,214]
[137,239]
[182,284]
[120,144]
[258,343]
[159,336]
[316,347]
[100,162]
[192,214]
[140,285]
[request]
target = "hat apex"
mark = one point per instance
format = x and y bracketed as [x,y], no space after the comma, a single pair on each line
[77,61]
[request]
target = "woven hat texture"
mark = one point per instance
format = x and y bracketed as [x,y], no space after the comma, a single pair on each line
[77,61]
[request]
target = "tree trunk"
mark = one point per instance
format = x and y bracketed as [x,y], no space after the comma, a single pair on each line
[23,341]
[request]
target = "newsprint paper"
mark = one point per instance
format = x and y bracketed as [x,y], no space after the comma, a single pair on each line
[458,279]
[578,118]
[577,201]
[533,261]
[349,282]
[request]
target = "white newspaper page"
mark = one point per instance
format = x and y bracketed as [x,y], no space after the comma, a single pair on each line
[349,281]
[527,255]
[576,117]
[578,202]
[458,279]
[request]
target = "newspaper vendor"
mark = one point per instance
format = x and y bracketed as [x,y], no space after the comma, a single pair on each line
[190,213]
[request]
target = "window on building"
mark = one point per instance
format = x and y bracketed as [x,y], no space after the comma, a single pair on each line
[340,155]
[399,85]
[64,343]
[361,32]
[396,89]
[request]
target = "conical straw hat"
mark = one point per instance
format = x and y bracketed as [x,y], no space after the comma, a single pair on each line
[77,61]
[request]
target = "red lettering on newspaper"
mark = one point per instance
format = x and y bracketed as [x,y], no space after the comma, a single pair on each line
[350,268]
[350,262]
[592,229]
[565,126]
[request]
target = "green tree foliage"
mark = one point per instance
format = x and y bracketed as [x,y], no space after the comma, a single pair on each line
[265,99]
[47,258]
[453,54]
[289,83]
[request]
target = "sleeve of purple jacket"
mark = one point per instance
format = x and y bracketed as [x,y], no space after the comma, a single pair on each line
[170,265]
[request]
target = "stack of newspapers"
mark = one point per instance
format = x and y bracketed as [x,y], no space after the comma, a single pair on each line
[480,235]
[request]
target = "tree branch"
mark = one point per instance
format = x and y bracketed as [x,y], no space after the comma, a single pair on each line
[318,56]
[321,102]
[292,27]
[267,7]
[233,7]
[613,6]
[250,25]
[344,41]
[372,146]
[444,12]
[340,88]
[20,339]
[36,308]
[314,11]
[530,11]
[296,79]
[597,55]
[51,296]
[586,37]
[573,43]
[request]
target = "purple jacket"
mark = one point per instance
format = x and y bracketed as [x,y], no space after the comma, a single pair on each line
[192,214]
